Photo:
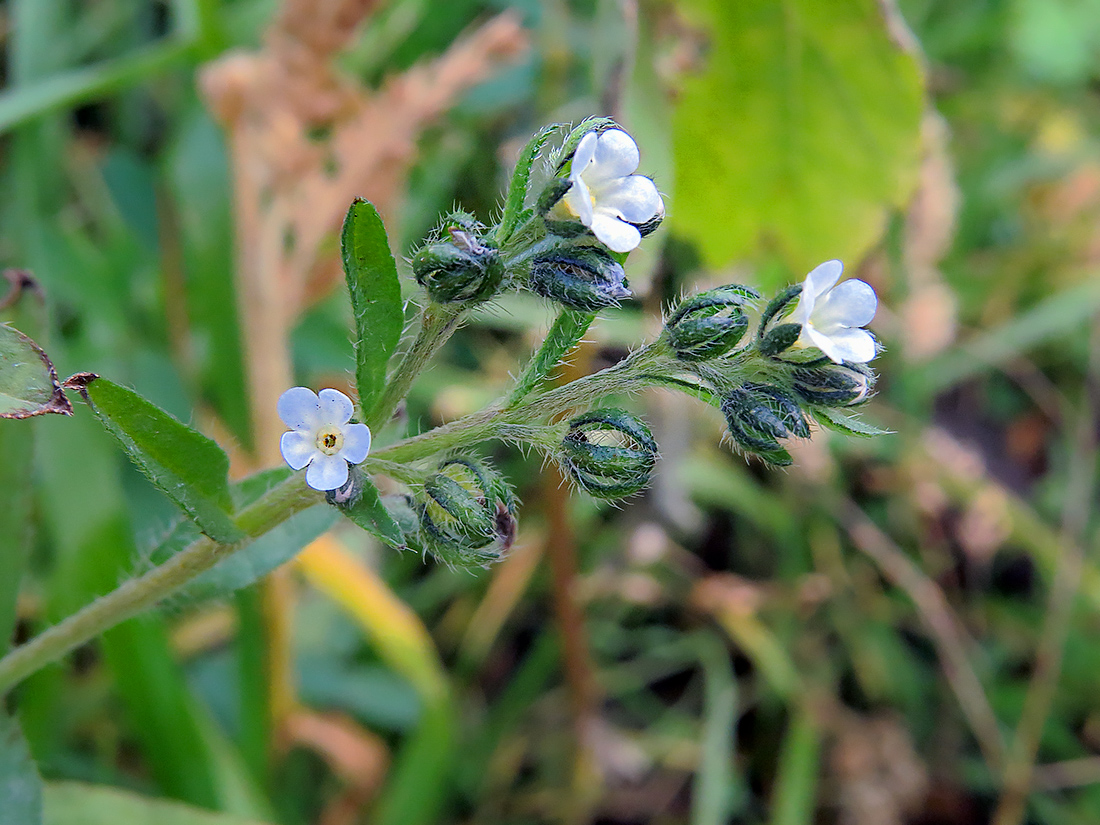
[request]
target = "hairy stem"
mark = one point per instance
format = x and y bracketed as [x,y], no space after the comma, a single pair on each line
[567,330]
[436,326]
[139,594]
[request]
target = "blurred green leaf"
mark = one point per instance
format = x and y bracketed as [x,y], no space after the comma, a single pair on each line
[270,551]
[375,297]
[794,796]
[374,695]
[20,787]
[74,803]
[369,513]
[185,465]
[801,134]
[28,381]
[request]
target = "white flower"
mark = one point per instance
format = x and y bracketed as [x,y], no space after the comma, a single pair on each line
[606,196]
[831,316]
[320,436]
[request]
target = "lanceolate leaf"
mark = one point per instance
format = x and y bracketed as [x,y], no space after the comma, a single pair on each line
[28,381]
[185,465]
[370,514]
[801,133]
[848,424]
[375,297]
[20,787]
[521,180]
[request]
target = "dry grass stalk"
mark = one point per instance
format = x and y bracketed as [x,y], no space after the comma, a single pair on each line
[305,140]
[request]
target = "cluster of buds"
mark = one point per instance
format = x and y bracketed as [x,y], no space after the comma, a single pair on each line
[609,453]
[565,238]
[467,513]
[465,268]
[808,355]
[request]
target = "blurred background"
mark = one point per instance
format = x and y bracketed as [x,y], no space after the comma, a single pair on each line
[896,630]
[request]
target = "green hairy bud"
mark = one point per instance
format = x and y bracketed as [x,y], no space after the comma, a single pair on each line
[772,340]
[710,324]
[834,385]
[467,513]
[758,415]
[609,453]
[584,278]
[461,270]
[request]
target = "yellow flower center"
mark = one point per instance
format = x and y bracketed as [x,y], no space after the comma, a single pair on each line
[330,440]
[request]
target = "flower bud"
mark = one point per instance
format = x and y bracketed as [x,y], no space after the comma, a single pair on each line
[710,323]
[758,415]
[609,453]
[461,270]
[834,386]
[772,340]
[584,278]
[467,513]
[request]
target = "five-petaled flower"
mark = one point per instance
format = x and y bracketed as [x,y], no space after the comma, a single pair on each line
[831,315]
[320,436]
[606,196]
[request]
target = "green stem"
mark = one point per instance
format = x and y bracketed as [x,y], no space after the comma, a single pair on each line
[137,595]
[437,324]
[293,496]
[567,330]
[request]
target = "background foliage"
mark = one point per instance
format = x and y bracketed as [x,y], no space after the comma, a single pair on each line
[897,630]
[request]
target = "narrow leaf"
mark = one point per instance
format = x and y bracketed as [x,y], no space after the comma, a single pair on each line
[521,180]
[28,380]
[185,465]
[847,424]
[370,514]
[375,297]
[67,803]
[20,787]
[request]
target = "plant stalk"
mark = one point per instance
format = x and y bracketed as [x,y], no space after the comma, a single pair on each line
[137,595]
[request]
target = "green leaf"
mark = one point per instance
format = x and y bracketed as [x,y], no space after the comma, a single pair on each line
[271,550]
[847,424]
[74,803]
[375,297]
[185,465]
[521,180]
[20,787]
[800,136]
[28,380]
[370,514]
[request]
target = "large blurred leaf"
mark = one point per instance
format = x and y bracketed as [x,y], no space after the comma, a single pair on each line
[74,803]
[799,136]
[20,787]
[185,465]
[28,381]
[375,297]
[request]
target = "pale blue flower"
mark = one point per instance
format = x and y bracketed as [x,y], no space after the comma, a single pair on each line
[831,315]
[320,436]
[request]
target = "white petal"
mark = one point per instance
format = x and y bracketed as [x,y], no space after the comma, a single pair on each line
[356,443]
[586,150]
[299,448]
[822,278]
[634,198]
[336,408]
[616,156]
[802,310]
[850,304]
[327,472]
[856,346]
[579,200]
[616,235]
[822,342]
[299,409]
